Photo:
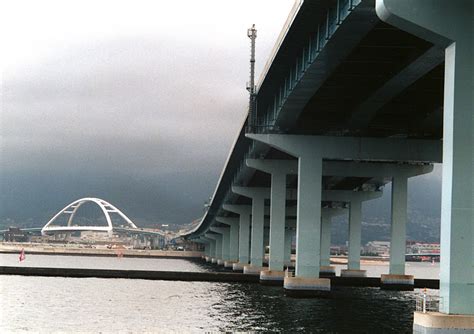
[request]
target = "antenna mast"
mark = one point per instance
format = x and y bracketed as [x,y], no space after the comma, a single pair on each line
[252,116]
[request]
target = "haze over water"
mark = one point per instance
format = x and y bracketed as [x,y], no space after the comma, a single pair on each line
[55,304]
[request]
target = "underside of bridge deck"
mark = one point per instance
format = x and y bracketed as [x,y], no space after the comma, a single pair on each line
[366,84]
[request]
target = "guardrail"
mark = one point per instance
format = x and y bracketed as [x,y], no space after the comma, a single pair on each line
[289,273]
[426,302]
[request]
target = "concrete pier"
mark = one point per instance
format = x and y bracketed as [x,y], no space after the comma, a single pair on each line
[233,223]
[258,196]
[239,267]
[189,276]
[441,323]
[252,270]
[131,274]
[397,282]
[353,273]
[229,264]
[224,232]
[307,287]
[272,277]
[244,212]
[325,271]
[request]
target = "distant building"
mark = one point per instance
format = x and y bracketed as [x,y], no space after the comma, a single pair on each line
[15,234]
[381,248]
[424,248]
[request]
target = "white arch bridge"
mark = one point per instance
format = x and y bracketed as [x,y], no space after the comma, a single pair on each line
[107,209]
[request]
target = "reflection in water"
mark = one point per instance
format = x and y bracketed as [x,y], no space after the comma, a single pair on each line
[55,304]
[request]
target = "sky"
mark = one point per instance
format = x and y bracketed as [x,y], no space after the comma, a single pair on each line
[135,102]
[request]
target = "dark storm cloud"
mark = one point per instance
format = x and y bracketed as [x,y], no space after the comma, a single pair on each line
[138,105]
[140,102]
[142,117]
[137,116]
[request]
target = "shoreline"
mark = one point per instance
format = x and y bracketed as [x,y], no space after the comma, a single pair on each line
[51,249]
[67,250]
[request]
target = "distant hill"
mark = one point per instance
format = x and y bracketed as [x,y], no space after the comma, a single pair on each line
[32,201]
[424,211]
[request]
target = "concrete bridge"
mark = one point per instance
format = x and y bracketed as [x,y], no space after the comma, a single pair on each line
[356,94]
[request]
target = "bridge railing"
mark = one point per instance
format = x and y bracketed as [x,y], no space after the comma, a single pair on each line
[289,273]
[265,122]
[426,302]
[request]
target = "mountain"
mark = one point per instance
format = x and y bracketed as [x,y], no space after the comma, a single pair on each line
[178,198]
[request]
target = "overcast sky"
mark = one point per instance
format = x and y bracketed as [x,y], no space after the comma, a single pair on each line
[136,102]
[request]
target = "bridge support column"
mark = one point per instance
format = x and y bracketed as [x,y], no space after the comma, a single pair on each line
[311,150]
[396,279]
[225,232]
[258,196]
[326,269]
[218,246]
[288,240]
[210,248]
[266,243]
[326,219]
[244,212]
[325,239]
[449,23]
[256,241]
[278,169]
[355,231]
[308,230]
[234,240]
[355,199]
[206,249]
[308,223]
[206,243]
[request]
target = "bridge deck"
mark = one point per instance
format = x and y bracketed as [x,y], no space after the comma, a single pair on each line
[338,70]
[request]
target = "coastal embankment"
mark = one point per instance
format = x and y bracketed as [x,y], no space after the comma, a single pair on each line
[80,250]
[187,276]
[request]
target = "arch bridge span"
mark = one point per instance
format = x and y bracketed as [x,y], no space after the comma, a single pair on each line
[71,210]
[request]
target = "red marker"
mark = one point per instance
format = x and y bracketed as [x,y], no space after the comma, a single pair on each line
[22,255]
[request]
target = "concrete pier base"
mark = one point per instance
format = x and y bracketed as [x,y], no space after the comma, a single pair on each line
[213,260]
[252,270]
[353,273]
[397,282]
[220,262]
[272,277]
[229,264]
[307,287]
[441,323]
[208,259]
[238,266]
[327,271]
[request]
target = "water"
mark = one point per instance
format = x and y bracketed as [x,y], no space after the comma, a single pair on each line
[419,269]
[55,304]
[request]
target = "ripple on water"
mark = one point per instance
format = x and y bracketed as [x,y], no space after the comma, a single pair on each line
[56,304]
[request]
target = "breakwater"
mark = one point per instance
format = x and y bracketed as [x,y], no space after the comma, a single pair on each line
[50,249]
[187,276]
